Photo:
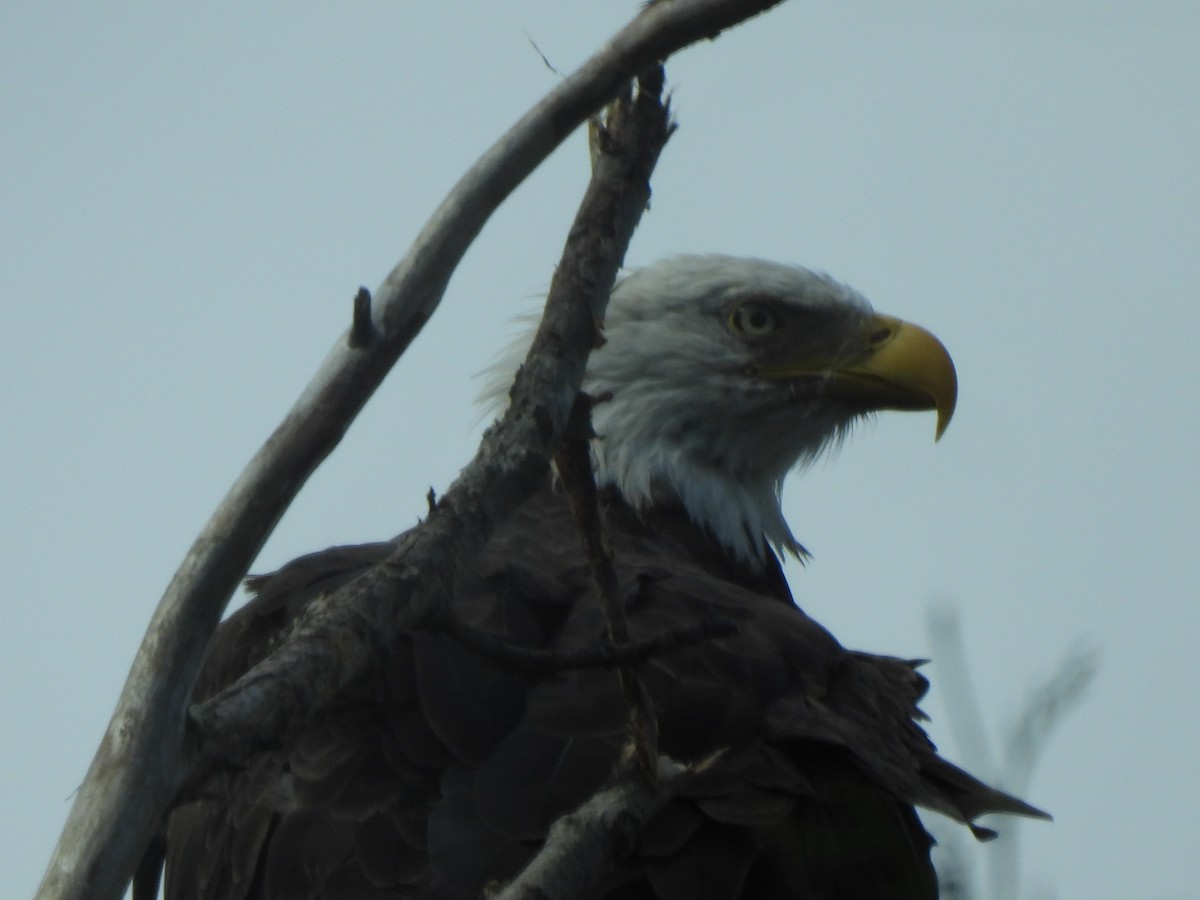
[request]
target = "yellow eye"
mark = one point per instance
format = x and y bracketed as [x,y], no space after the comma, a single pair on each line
[754,319]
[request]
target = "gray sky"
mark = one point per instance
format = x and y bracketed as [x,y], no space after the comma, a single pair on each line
[191,197]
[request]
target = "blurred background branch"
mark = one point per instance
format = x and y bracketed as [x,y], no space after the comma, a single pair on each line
[968,870]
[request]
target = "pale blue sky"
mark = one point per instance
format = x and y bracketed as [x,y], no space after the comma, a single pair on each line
[191,197]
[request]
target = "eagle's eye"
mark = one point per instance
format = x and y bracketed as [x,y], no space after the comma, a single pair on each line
[753,319]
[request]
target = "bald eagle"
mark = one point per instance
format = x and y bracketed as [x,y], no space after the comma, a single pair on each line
[439,773]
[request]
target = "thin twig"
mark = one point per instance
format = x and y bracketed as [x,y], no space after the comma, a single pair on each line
[538,51]
[1045,708]
[574,465]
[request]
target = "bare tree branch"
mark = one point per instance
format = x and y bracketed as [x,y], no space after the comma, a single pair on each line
[1048,704]
[138,765]
[965,719]
[1044,709]
[574,464]
[337,635]
[582,845]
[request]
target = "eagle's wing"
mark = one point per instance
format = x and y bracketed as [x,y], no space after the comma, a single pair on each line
[439,774]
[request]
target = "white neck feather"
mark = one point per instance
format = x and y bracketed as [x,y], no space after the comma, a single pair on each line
[645,453]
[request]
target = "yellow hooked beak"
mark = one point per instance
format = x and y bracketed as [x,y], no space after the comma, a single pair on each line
[893,364]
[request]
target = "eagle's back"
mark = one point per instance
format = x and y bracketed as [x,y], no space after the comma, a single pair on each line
[438,774]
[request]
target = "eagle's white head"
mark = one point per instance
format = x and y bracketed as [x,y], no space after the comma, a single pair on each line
[720,374]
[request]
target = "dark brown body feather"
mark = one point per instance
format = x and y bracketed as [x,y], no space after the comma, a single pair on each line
[439,774]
